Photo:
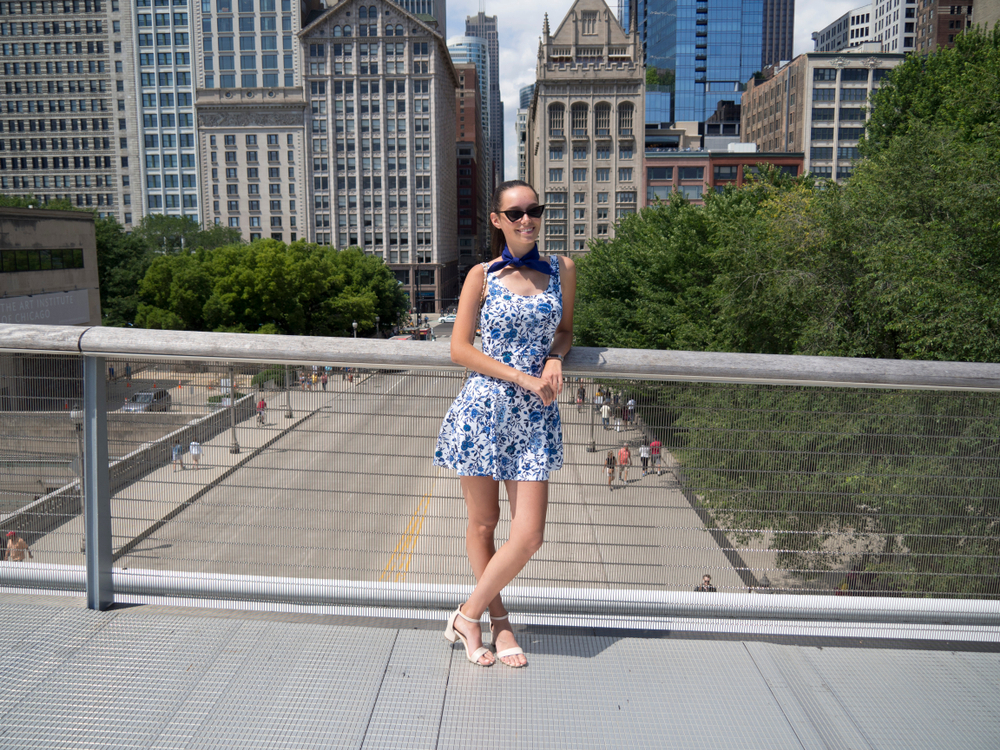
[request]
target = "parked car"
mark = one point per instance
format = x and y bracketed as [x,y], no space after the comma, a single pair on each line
[158,400]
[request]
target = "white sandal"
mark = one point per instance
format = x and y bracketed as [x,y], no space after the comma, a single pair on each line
[508,651]
[452,635]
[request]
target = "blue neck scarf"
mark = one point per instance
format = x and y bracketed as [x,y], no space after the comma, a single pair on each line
[530,260]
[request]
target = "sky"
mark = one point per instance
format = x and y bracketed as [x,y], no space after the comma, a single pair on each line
[520,27]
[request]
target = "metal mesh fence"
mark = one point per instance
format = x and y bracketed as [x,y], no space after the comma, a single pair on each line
[766,488]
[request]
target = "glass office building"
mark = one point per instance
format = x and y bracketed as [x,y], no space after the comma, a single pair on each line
[704,52]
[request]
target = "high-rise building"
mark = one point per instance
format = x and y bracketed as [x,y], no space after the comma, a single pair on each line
[584,132]
[380,112]
[705,51]
[474,50]
[251,115]
[524,96]
[521,129]
[68,117]
[485,27]
[894,24]
[778,29]
[165,58]
[938,23]
[472,170]
[815,104]
[850,30]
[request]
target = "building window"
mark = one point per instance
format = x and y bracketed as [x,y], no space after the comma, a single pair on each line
[579,112]
[625,119]
[556,115]
[602,120]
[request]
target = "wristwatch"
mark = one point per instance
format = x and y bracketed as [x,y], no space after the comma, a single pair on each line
[554,356]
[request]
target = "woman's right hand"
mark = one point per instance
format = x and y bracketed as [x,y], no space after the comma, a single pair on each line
[539,387]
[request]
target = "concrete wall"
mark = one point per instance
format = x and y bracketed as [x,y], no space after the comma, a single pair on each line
[40,229]
[54,509]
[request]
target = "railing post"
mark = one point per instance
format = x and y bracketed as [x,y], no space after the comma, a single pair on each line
[288,394]
[234,446]
[96,495]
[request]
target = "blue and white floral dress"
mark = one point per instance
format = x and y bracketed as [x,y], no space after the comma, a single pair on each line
[495,428]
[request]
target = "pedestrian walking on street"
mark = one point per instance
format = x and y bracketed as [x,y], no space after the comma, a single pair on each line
[644,454]
[609,468]
[504,426]
[654,449]
[323,380]
[624,461]
[195,450]
[177,453]
[581,397]
[16,549]
[605,415]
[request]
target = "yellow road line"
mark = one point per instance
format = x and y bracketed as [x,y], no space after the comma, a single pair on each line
[399,561]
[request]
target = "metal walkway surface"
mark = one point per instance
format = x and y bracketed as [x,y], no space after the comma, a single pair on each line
[152,676]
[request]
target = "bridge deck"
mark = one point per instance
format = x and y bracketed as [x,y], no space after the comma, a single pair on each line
[153,676]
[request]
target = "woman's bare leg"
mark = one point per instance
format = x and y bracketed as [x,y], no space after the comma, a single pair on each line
[528,505]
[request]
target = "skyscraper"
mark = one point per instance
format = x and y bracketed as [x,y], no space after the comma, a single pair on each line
[485,27]
[703,51]
[779,25]
[380,111]
[524,95]
[68,128]
[474,50]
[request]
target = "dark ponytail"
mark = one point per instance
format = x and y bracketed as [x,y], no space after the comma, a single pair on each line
[497,240]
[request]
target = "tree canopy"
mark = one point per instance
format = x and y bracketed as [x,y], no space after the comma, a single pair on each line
[270,287]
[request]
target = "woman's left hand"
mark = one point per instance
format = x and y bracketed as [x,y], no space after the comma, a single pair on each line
[552,375]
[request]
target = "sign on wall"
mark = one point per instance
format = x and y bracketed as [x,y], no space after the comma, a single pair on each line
[55,309]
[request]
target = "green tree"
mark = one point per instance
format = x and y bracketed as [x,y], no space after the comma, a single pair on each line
[646,288]
[270,287]
[30,201]
[122,262]
[954,87]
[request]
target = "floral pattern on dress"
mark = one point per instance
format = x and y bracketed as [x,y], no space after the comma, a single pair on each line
[496,428]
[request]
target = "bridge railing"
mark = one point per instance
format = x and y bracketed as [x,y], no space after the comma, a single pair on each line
[808,488]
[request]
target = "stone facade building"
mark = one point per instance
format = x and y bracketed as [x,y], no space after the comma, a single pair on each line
[815,104]
[585,127]
[380,113]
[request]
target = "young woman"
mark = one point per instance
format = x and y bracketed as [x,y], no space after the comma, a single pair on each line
[504,426]
[609,468]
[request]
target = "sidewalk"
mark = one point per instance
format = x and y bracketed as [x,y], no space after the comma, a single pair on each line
[164,490]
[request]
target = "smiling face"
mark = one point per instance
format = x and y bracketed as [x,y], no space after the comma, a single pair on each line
[522,234]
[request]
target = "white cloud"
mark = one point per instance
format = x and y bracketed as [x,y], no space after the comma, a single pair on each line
[520,28]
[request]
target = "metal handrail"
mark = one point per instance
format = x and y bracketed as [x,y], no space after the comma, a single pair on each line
[94,344]
[652,364]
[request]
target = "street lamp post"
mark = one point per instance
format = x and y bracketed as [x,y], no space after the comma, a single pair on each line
[354,325]
[592,448]
[234,447]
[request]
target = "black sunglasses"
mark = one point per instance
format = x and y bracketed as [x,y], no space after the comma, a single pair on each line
[515,214]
